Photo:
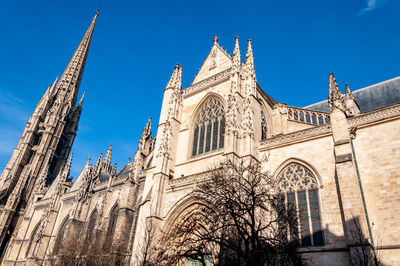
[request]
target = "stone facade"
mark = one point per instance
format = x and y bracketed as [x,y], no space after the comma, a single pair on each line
[351,158]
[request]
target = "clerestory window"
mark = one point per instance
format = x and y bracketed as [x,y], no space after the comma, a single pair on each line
[300,189]
[209,128]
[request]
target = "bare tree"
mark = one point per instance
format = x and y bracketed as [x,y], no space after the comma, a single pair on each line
[94,249]
[241,221]
[363,253]
[149,250]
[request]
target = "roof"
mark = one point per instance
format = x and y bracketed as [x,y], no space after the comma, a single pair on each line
[370,98]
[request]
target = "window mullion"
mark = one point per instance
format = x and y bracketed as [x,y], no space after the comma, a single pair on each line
[198,141]
[211,135]
[298,217]
[309,219]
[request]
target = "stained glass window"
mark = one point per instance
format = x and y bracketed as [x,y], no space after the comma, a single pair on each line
[300,188]
[209,128]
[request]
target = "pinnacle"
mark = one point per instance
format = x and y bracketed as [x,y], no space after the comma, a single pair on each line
[107,157]
[176,77]
[81,100]
[215,39]
[249,54]
[236,53]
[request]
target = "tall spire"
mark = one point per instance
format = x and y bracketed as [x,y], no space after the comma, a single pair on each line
[236,54]
[68,85]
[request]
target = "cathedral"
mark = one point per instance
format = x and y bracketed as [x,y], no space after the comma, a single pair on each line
[337,160]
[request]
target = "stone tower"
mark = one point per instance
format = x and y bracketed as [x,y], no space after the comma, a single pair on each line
[45,143]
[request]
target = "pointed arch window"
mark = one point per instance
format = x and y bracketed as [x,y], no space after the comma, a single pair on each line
[113,220]
[264,128]
[209,128]
[300,189]
[60,236]
[90,233]
[32,241]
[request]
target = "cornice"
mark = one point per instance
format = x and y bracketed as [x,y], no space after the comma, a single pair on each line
[296,136]
[206,82]
[375,116]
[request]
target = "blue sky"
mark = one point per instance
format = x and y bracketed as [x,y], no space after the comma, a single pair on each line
[137,43]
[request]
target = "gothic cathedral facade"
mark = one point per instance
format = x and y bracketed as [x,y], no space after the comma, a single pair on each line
[336,160]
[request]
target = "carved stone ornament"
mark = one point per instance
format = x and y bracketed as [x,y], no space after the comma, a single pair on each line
[248,115]
[165,149]
[85,188]
[213,58]
[232,113]
[295,177]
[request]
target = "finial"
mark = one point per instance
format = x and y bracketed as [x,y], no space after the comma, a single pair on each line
[347,90]
[96,15]
[236,53]
[114,170]
[107,157]
[335,97]
[332,83]
[147,129]
[129,159]
[249,53]
[179,78]
[88,160]
[174,76]
[99,159]
[215,39]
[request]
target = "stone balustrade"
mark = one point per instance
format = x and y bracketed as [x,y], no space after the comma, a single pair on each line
[308,116]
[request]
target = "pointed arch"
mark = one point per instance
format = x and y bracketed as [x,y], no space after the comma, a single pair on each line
[91,224]
[182,207]
[299,185]
[61,233]
[207,126]
[113,218]
[31,246]
[300,162]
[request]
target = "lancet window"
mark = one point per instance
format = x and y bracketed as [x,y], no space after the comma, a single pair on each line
[90,233]
[300,189]
[209,128]
[113,220]
[31,247]
[264,128]
[60,235]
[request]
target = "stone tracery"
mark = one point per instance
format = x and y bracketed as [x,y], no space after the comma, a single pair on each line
[295,177]
[209,127]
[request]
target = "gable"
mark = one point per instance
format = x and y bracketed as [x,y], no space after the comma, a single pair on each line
[216,61]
